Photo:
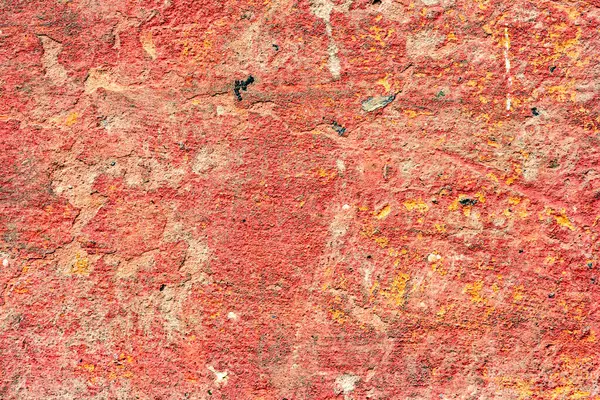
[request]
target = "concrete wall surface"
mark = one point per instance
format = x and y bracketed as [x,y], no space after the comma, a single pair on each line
[299,199]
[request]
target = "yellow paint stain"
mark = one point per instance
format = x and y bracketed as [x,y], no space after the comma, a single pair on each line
[562,392]
[88,367]
[591,337]
[382,241]
[442,312]
[480,196]
[563,92]
[564,221]
[80,266]
[549,260]
[474,290]
[374,288]
[454,205]
[514,200]
[327,175]
[385,83]
[417,205]
[518,294]
[338,316]
[492,177]
[439,268]
[440,228]
[384,212]
[379,34]
[397,289]
[71,119]
[414,114]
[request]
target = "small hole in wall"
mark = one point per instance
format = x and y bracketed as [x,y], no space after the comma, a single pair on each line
[374,2]
[162,287]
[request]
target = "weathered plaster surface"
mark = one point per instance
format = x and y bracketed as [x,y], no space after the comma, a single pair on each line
[299,199]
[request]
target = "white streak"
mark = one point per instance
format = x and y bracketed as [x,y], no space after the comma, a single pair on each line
[322,9]
[507,66]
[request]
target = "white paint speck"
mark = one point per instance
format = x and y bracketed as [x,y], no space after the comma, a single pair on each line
[433,257]
[345,383]
[220,110]
[340,166]
[232,316]
[220,376]
[346,207]
[5,262]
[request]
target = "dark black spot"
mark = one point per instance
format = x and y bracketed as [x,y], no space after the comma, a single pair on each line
[520,250]
[275,47]
[553,163]
[209,392]
[551,295]
[81,360]
[338,128]
[375,2]
[242,85]
[244,220]
[552,68]
[113,163]
[162,287]
[369,256]
[535,111]
[467,202]
[593,280]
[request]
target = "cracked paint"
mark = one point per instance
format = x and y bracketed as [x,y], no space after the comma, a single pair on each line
[316,199]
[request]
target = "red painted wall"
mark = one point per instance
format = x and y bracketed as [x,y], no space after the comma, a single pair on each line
[299,199]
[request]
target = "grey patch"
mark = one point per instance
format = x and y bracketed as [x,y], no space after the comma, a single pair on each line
[377,102]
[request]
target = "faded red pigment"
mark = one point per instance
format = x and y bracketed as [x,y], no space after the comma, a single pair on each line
[299,199]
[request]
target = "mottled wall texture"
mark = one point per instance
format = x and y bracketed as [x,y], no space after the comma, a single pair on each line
[299,199]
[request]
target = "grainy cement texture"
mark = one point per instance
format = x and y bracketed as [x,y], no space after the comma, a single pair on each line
[299,199]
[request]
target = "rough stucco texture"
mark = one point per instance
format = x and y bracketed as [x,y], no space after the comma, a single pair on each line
[299,199]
